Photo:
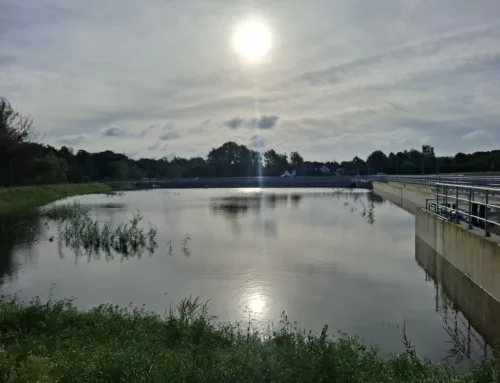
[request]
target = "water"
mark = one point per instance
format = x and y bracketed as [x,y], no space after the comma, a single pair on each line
[345,258]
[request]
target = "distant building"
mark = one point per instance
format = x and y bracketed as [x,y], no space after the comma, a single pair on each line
[289,174]
[324,169]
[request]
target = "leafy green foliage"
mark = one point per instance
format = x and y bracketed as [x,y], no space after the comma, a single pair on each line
[54,342]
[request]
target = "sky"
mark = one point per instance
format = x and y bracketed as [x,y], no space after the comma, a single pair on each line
[331,79]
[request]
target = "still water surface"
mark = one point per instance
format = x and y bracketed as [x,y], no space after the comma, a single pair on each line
[344,258]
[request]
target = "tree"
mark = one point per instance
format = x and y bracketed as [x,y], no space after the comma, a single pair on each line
[46,170]
[232,159]
[14,127]
[296,158]
[377,161]
[429,158]
[275,164]
[428,151]
[408,168]
[118,170]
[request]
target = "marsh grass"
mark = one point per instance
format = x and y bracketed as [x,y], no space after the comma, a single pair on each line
[66,211]
[55,342]
[78,229]
[84,231]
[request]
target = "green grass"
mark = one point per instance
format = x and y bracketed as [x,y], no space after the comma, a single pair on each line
[17,199]
[54,342]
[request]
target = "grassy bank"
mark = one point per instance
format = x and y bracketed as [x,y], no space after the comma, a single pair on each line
[17,199]
[56,343]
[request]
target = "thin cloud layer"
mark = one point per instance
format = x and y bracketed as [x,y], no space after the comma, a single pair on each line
[113,132]
[341,79]
[169,136]
[262,122]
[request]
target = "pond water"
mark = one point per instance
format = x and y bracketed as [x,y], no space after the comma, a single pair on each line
[345,258]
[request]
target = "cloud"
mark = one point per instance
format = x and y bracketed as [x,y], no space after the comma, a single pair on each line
[145,131]
[234,122]
[262,122]
[113,132]
[73,139]
[256,142]
[478,135]
[350,78]
[169,136]
[154,146]
[169,125]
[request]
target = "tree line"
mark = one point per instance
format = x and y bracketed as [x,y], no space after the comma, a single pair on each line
[25,161]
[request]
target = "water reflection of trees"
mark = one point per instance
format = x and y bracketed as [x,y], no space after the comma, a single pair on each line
[233,206]
[362,204]
[15,232]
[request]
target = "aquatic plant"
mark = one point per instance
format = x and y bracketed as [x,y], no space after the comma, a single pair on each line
[62,212]
[79,229]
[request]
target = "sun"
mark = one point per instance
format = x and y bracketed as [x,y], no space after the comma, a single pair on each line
[252,40]
[257,304]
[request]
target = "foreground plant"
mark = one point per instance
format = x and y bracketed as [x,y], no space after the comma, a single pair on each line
[54,342]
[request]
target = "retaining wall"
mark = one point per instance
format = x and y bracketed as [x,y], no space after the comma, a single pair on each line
[474,255]
[409,197]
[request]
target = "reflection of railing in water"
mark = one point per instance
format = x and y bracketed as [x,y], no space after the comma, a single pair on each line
[457,202]
[470,315]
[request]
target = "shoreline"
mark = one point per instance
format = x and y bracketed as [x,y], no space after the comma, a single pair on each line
[18,199]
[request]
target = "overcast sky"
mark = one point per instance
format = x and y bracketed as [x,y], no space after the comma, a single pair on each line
[341,77]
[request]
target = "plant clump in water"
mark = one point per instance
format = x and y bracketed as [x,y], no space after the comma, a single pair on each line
[62,212]
[79,229]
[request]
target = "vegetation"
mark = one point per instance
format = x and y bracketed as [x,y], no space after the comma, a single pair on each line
[78,229]
[65,211]
[15,199]
[54,342]
[25,162]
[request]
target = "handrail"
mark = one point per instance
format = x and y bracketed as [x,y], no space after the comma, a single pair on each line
[468,187]
[452,195]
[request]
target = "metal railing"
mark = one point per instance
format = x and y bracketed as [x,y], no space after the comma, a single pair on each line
[457,202]
[431,180]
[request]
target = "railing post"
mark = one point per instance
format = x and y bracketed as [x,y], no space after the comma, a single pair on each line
[437,199]
[470,209]
[457,218]
[446,201]
[486,231]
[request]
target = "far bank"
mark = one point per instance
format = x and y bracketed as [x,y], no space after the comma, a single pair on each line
[17,199]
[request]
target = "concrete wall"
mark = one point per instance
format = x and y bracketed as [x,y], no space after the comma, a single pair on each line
[470,252]
[409,197]
[479,307]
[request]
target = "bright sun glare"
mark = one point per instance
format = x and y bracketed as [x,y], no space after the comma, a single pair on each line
[257,304]
[252,40]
